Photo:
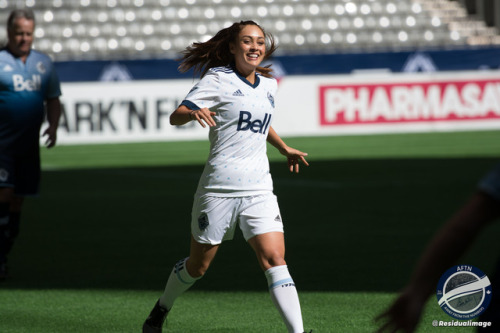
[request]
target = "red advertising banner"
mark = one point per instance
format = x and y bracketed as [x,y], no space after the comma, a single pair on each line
[425,101]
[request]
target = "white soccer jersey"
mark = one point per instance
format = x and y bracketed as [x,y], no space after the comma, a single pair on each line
[238,163]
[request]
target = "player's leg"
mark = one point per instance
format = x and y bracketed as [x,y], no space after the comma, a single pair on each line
[184,274]
[10,212]
[270,251]
[9,221]
[19,177]
[15,208]
[6,194]
[210,221]
[260,222]
[187,271]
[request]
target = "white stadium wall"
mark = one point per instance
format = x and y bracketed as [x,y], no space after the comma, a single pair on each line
[363,103]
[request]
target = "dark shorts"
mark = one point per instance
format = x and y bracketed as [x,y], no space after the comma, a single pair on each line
[21,172]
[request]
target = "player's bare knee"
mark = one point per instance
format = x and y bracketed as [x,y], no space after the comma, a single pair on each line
[196,269]
[198,272]
[273,260]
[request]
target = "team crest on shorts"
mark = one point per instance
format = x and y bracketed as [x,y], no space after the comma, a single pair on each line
[203,221]
[4,175]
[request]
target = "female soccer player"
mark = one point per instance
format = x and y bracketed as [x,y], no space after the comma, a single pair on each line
[235,99]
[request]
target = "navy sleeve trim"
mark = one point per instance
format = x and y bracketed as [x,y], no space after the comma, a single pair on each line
[190,105]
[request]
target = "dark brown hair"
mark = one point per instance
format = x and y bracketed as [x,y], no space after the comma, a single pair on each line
[215,52]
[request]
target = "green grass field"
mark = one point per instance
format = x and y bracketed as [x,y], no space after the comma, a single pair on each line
[96,247]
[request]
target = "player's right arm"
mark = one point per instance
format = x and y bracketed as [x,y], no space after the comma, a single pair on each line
[53,115]
[183,115]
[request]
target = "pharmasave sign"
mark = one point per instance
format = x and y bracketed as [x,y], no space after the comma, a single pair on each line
[433,100]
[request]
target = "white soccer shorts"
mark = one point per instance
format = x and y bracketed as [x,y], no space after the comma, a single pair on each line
[214,219]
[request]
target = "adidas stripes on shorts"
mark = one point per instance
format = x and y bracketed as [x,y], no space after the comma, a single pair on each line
[214,219]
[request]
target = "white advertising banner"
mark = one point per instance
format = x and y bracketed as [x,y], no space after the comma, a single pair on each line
[388,103]
[133,111]
[306,105]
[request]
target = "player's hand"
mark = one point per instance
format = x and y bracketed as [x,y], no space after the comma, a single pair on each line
[203,116]
[403,315]
[51,134]
[294,156]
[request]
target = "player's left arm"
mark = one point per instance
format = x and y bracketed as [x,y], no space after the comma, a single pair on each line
[293,155]
[184,114]
[53,114]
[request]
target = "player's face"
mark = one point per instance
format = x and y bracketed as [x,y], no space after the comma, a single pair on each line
[249,49]
[21,37]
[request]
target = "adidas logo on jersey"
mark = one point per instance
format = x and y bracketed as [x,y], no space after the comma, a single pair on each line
[277,218]
[238,93]
[8,68]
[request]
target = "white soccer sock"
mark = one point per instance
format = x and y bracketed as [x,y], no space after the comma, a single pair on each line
[178,282]
[285,297]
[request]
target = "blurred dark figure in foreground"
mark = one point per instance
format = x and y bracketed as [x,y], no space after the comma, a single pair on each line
[447,246]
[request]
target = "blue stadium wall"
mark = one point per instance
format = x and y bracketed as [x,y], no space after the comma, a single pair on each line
[310,64]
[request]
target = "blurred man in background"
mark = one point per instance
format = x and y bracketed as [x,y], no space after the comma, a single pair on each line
[29,89]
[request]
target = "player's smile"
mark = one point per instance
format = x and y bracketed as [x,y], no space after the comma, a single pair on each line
[253,56]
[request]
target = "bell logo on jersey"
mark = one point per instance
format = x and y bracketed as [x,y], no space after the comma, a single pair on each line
[20,84]
[245,123]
